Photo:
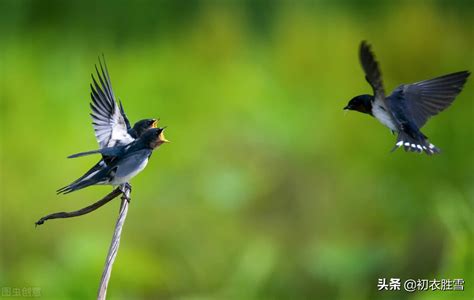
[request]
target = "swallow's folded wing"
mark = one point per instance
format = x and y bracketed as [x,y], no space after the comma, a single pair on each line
[108,152]
[110,123]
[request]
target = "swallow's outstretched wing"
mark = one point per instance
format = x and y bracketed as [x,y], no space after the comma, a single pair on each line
[372,71]
[110,122]
[413,104]
[427,98]
[127,122]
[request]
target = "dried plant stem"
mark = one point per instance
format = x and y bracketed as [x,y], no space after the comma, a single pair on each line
[114,245]
[125,190]
[61,215]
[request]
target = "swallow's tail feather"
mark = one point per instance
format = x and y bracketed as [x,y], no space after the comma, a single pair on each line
[76,185]
[94,170]
[417,142]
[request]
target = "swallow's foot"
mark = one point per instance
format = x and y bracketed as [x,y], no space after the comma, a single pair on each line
[129,187]
[126,190]
[125,187]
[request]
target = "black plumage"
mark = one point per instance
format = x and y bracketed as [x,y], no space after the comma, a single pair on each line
[427,98]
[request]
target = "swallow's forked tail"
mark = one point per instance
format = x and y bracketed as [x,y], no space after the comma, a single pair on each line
[76,185]
[416,143]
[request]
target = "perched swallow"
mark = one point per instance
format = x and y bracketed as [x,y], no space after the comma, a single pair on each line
[409,106]
[126,161]
[135,132]
[111,125]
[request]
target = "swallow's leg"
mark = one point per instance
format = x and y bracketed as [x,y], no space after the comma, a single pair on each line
[126,189]
[125,186]
[129,186]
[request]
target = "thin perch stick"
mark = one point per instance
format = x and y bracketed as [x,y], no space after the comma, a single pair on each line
[125,190]
[114,245]
[59,215]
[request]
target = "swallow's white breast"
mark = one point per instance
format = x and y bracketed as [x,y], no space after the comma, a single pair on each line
[383,116]
[129,168]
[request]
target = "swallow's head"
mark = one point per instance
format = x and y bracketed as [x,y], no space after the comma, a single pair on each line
[362,103]
[143,125]
[155,137]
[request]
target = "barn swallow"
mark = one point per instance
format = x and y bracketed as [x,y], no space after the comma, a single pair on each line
[137,130]
[111,125]
[126,161]
[409,106]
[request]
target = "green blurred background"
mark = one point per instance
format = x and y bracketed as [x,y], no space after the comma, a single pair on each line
[268,191]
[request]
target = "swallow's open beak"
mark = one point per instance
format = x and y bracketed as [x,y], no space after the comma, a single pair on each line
[346,107]
[161,137]
[155,123]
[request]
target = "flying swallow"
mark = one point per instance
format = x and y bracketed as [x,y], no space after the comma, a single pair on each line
[409,106]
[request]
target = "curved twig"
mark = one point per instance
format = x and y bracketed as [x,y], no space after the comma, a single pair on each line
[60,215]
[114,245]
[125,190]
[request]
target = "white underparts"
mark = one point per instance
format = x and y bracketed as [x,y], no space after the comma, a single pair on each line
[383,116]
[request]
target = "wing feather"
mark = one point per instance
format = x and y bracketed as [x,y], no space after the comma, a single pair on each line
[427,98]
[372,71]
[108,118]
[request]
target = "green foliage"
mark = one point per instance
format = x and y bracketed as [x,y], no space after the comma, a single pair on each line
[267,190]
